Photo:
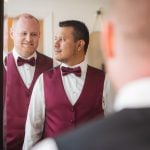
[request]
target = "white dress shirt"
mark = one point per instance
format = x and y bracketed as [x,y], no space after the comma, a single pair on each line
[26,71]
[73,86]
[108,97]
[133,95]
[5,53]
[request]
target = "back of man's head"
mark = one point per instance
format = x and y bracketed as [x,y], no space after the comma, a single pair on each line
[126,39]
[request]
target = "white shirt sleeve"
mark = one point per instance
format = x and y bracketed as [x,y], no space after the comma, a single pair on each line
[36,115]
[104,93]
[108,97]
[46,144]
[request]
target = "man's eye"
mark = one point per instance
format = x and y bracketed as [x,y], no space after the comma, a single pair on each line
[34,34]
[62,39]
[59,39]
[24,33]
[55,38]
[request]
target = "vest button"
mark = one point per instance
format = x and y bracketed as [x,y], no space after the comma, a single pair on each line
[72,121]
[72,109]
[28,94]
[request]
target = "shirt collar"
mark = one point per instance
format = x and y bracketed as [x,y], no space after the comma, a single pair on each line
[134,95]
[83,66]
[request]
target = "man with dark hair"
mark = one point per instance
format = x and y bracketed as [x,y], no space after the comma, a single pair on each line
[126,48]
[80,31]
[71,93]
[22,67]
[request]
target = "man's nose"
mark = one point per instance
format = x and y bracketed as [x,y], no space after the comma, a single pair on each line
[56,43]
[28,37]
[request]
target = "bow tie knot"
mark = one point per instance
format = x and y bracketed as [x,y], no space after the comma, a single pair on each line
[67,70]
[21,61]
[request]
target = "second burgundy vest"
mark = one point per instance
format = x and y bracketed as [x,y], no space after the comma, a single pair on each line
[60,115]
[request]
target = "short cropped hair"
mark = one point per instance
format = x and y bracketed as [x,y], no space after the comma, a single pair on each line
[80,31]
[24,15]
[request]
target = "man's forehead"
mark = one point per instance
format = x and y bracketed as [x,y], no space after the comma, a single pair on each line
[64,31]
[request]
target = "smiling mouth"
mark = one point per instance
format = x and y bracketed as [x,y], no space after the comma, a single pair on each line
[57,50]
[28,44]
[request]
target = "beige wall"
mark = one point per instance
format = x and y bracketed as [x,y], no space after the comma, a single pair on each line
[94,55]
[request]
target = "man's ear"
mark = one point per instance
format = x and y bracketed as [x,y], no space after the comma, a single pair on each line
[80,45]
[107,40]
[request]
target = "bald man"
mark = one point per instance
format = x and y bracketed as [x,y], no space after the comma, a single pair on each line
[23,66]
[126,48]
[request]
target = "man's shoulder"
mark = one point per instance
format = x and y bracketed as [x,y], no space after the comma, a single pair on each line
[96,71]
[43,56]
[119,129]
[44,61]
[51,71]
[94,68]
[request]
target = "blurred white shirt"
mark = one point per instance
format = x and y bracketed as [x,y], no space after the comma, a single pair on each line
[108,97]
[134,95]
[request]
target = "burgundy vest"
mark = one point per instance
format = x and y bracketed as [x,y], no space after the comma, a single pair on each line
[60,114]
[17,98]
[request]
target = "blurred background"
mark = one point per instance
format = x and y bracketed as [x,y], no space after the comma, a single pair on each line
[50,12]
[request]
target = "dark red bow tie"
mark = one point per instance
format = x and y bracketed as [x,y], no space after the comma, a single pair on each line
[21,61]
[67,70]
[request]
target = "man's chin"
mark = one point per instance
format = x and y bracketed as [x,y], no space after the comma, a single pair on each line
[27,52]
